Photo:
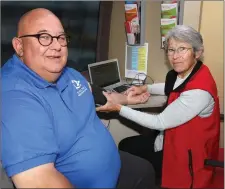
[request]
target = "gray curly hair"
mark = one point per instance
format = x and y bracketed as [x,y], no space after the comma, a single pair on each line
[188,35]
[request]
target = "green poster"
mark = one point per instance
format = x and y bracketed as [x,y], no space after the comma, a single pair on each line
[169,10]
[167,24]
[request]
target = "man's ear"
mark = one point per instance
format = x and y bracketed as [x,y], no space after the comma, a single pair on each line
[18,46]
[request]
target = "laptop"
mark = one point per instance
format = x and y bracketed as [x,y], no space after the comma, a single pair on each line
[106,74]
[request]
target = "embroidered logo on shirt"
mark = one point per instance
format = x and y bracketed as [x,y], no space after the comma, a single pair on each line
[76,84]
[80,89]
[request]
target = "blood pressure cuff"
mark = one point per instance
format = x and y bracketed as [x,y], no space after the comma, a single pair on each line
[99,98]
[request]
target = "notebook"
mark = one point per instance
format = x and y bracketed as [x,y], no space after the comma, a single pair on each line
[106,74]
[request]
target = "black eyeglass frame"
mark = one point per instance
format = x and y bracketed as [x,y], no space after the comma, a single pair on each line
[38,35]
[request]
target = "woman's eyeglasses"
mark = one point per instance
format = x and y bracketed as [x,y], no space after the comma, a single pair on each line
[180,51]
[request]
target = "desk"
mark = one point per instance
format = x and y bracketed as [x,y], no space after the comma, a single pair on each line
[121,128]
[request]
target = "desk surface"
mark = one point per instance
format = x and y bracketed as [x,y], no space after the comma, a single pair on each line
[154,101]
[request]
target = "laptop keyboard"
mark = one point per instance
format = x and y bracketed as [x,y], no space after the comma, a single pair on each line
[121,88]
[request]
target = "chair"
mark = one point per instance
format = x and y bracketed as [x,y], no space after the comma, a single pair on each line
[218,180]
[5,181]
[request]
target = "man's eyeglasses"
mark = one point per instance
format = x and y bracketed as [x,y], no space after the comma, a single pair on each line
[46,39]
[180,51]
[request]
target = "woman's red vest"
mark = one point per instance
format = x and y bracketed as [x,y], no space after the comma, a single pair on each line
[187,146]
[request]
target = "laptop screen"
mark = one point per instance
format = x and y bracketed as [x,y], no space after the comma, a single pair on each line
[105,74]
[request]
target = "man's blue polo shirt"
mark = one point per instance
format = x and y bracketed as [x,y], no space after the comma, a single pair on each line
[44,122]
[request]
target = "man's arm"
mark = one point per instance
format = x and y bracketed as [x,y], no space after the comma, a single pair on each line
[29,145]
[43,176]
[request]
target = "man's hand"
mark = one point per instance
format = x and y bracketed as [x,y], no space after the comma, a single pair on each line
[114,101]
[136,90]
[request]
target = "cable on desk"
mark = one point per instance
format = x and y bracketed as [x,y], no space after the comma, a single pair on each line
[150,79]
[140,82]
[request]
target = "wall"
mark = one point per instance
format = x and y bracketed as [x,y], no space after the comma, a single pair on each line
[211,28]
[157,68]
[192,14]
[117,34]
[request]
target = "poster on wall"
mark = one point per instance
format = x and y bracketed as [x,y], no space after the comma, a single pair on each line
[169,10]
[169,17]
[166,25]
[136,58]
[132,22]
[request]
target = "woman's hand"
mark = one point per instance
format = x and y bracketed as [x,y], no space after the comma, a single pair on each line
[137,99]
[136,90]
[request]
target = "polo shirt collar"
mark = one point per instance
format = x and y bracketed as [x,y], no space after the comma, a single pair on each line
[38,81]
[63,80]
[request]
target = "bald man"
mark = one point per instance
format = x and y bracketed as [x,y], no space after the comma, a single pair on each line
[51,135]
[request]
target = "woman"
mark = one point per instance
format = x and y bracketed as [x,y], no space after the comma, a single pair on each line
[189,124]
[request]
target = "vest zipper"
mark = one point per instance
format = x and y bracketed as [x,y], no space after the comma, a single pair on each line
[190,165]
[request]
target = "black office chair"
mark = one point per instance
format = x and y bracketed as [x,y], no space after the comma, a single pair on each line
[216,163]
[218,181]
